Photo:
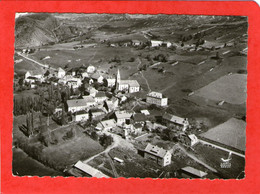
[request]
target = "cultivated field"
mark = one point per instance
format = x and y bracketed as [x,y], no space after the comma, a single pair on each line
[230,88]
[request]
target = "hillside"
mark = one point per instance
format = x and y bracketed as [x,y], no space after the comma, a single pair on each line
[44,28]
[41,29]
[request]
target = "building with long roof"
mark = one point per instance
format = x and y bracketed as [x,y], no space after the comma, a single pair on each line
[157,154]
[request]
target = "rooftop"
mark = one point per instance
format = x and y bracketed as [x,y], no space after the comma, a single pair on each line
[123,114]
[81,112]
[76,102]
[155,150]
[131,83]
[60,70]
[88,98]
[108,123]
[174,119]
[89,170]
[194,171]
[101,94]
[155,94]
[139,117]
[95,110]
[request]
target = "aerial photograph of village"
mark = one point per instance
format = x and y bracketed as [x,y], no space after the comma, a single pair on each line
[130,95]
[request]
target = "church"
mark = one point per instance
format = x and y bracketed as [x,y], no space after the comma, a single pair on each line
[129,86]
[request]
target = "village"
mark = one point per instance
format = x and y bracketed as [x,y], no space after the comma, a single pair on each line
[86,121]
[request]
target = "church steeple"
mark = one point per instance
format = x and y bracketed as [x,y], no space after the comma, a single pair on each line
[118,78]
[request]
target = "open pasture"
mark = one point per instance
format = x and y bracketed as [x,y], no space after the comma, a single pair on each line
[230,88]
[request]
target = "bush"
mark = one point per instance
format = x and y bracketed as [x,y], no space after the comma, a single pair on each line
[105,140]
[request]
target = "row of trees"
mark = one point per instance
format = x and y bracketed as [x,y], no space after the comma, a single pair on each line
[24,105]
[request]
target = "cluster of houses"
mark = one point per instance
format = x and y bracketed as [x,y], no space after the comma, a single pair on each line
[106,110]
[136,43]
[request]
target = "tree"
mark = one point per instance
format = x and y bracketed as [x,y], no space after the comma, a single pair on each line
[63,116]
[21,80]
[47,73]
[94,135]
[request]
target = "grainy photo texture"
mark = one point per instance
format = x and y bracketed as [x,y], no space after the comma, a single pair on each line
[130,95]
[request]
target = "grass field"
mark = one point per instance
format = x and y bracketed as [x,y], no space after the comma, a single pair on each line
[213,157]
[63,154]
[231,88]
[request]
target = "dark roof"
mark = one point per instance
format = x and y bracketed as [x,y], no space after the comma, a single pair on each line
[139,117]
[137,125]
[101,94]
[174,119]
[81,112]
[31,77]
[96,110]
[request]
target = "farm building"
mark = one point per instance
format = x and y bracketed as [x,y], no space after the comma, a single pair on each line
[81,115]
[89,170]
[106,125]
[172,120]
[111,81]
[189,140]
[145,112]
[137,128]
[139,118]
[156,98]
[92,91]
[91,69]
[100,97]
[157,154]
[111,104]
[84,74]
[136,42]
[96,77]
[155,43]
[90,101]
[61,73]
[76,105]
[190,172]
[230,134]
[96,112]
[122,117]
[75,83]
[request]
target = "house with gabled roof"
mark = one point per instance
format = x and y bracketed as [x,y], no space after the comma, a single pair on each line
[139,118]
[111,104]
[81,115]
[123,117]
[61,73]
[157,154]
[91,69]
[178,122]
[96,113]
[90,101]
[76,105]
[106,125]
[100,97]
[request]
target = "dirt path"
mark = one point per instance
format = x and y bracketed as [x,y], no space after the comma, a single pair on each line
[196,159]
[139,63]
[34,61]
[115,143]
[168,87]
